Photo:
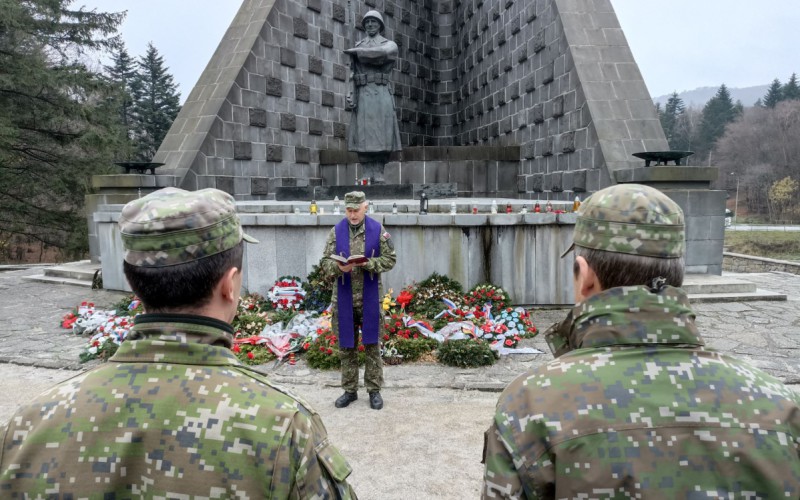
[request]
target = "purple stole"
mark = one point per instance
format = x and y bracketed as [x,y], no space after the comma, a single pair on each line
[370,308]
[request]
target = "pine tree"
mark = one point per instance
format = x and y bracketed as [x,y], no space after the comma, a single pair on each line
[791,91]
[123,74]
[156,103]
[57,127]
[718,112]
[669,118]
[774,94]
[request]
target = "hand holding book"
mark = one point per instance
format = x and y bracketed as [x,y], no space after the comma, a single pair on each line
[352,260]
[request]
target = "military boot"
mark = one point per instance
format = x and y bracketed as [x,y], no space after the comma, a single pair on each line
[345,399]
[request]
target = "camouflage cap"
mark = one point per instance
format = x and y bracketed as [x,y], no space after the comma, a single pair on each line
[172,226]
[354,199]
[631,219]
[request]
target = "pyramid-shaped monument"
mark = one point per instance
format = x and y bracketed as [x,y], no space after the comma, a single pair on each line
[547,87]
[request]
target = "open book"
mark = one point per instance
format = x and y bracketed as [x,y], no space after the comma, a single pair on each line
[353,259]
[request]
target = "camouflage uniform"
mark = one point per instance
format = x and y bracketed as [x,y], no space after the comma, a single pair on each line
[373,371]
[634,405]
[173,414]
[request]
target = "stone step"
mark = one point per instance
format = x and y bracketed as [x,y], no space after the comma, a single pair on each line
[59,280]
[713,284]
[81,270]
[758,294]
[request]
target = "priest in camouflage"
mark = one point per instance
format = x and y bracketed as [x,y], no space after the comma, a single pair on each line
[634,405]
[174,414]
[356,296]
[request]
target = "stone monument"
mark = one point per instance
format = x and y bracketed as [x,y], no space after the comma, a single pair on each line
[373,132]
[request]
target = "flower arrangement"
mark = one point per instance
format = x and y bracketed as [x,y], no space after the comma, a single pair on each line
[485,293]
[319,289]
[287,293]
[466,353]
[428,295]
[421,318]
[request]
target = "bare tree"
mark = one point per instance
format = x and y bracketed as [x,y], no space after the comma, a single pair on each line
[761,147]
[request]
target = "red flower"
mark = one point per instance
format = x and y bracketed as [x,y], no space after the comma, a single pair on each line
[509,342]
[404,298]
[385,337]
[236,348]
[306,346]
[250,355]
[330,351]
[361,348]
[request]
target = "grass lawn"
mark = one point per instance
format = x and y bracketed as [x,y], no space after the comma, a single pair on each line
[771,244]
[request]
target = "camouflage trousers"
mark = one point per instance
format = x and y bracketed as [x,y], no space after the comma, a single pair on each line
[373,370]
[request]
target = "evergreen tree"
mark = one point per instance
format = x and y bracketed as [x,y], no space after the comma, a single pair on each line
[774,94]
[718,112]
[759,103]
[156,103]
[57,128]
[123,74]
[669,118]
[791,91]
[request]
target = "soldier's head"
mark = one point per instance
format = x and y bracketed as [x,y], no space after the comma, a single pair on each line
[355,207]
[182,249]
[627,235]
[372,22]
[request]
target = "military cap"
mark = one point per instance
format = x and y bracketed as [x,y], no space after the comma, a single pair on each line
[631,219]
[354,199]
[173,226]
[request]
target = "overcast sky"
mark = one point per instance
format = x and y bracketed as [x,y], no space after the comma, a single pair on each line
[678,44]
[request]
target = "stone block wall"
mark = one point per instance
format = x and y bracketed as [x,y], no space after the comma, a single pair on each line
[552,77]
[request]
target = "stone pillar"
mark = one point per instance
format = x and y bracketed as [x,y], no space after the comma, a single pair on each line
[703,209]
[118,189]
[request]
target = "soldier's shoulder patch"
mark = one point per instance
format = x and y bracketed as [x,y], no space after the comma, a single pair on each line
[386,235]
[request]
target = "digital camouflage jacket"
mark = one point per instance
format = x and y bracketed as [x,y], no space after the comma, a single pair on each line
[636,407]
[173,414]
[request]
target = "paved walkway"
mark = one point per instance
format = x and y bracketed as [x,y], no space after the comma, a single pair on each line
[766,333]
[431,429]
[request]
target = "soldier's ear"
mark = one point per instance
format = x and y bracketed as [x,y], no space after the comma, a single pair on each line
[586,281]
[228,285]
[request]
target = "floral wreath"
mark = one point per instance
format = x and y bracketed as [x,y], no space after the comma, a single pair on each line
[287,293]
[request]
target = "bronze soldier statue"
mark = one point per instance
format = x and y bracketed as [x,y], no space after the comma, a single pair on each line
[373,131]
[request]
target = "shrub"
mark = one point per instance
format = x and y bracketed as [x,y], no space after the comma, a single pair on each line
[466,353]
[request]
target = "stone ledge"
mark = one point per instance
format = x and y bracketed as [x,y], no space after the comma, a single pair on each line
[668,176]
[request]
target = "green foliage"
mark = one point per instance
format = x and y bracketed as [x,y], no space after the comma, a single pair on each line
[319,288]
[282,315]
[466,353]
[774,94]
[428,295]
[248,324]
[718,112]
[250,354]
[791,91]
[156,103]
[412,349]
[670,119]
[57,125]
[104,350]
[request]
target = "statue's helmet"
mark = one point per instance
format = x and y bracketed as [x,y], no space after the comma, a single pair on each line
[374,14]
